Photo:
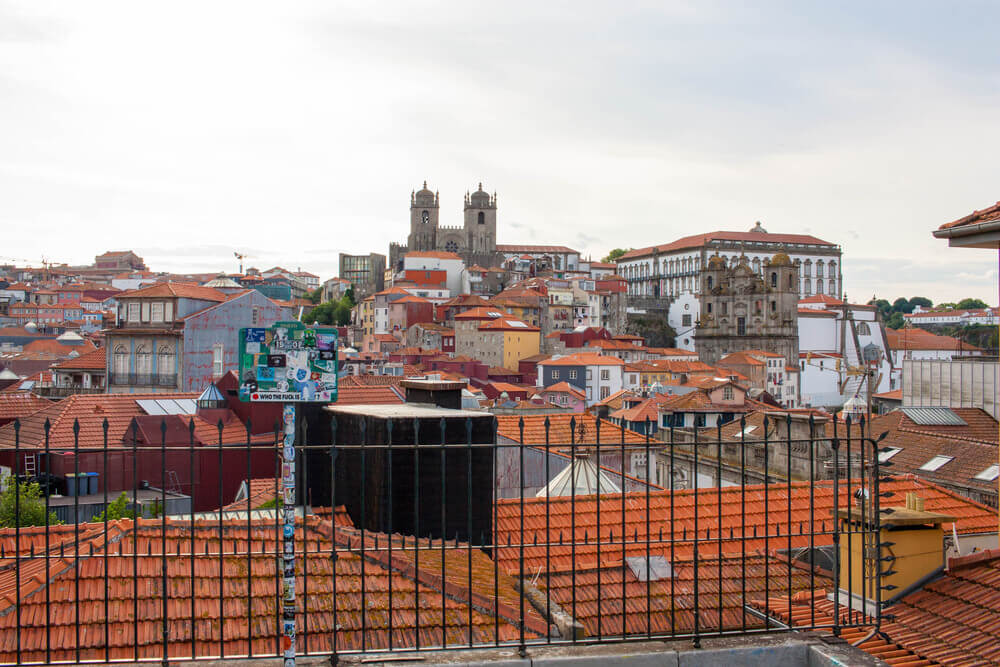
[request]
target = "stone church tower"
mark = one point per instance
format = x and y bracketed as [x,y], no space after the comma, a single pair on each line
[423,220]
[481,222]
[745,310]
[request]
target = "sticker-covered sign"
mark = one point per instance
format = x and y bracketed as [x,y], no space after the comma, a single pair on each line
[289,362]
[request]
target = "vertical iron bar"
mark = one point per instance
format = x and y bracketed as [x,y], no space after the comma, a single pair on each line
[334,660]
[194,647]
[222,581]
[389,456]
[767,527]
[743,522]
[673,476]
[279,511]
[468,517]
[849,527]
[718,507]
[696,557]
[600,591]
[250,633]
[548,528]
[137,517]
[416,527]
[835,445]
[364,520]
[522,649]
[649,534]
[812,517]
[444,533]
[788,504]
[48,611]
[17,535]
[107,548]
[494,449]
[621,470]
[165,624]
[289,462]
[573,473]
[306,504]
[76,537]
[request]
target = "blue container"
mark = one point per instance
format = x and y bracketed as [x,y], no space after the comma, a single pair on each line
[92,478]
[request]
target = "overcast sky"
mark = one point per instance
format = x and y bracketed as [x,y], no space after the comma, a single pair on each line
[296,130]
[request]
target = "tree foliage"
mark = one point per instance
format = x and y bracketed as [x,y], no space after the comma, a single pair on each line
[29,510]
[116,509]
[615,254]
[337,312]
[971,304]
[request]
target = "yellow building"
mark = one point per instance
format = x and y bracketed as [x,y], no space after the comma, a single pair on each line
[504,341]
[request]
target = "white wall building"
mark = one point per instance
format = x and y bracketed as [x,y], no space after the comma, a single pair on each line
[670,272]
[456,279]
[832,336]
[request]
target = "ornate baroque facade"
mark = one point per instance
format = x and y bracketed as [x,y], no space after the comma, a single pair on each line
[746,310]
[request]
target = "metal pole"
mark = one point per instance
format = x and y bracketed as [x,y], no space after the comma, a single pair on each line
[288,535]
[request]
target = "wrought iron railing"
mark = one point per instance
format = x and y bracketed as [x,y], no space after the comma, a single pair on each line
[420,534]
[144,379]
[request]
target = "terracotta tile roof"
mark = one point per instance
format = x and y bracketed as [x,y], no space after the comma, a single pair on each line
[410,299]
[91,410]
[506,324]
[671,351]
[20,404]
[894,395]
[952,620]
[699,240]
[56,347]
[261,491]
[509,388]
[466,300]
[367,381]
[612,344]
[740,358]
[584,359]
[432,254]
[535,249]
[566,388]
[560,432]
[385,338]
[822,298]
[483,313]
[647,409]
[384,394]
[920,339]
[182,290]
[94,360]
[759,530]
[616,399]
[441,582]
[724,586]
[820,312]
[988,214]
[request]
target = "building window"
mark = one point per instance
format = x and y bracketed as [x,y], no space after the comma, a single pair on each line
[133,312]
[120,360]
[708,282]
[145,311]
[482,218]
[774,306]
[774,279]
[165,363]
[605,392]
[255,316]
[156,312]
[555,375]
[864,329]
[686,320]
[218,360]
[741,326]
[727,392]
[605,374]
[572,375]
[708,307]
[143,360]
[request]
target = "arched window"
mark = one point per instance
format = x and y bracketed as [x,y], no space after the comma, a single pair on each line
[774,278]
[725,308]
[774,306]
[120,359]
[756,265]
[708,307]
[831,270]
[482,218]
[791,281]
[708,282]
[807,289]
[819,269]
[424,217]
[864,329]
[166,361]
[143,360]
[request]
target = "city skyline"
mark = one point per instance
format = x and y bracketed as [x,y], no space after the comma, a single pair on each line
[857,124]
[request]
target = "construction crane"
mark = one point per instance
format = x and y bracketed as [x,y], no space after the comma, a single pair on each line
[241,256]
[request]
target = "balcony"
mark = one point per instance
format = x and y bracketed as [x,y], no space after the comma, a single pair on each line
[143,380]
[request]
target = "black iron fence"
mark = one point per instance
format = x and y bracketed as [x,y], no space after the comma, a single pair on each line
[427,533]
[144,379]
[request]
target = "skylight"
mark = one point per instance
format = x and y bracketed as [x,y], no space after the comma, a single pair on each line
[936,462]
[990,473]
[888,453]
[659,568]
[517,324]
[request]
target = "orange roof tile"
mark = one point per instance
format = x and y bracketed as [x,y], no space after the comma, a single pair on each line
[17,404]
[563,428]
[564,388]
[450,610]
[698,240]
[988,214]
[751,528]
[95,360]
[432,254]
[182,290]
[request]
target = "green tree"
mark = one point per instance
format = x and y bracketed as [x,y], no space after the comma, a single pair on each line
[895,321]
[116,509]
[315,295]
[332,312]
[921,301]
[615,254]
[971,304]
[901,305]
[22,505]
[883,306]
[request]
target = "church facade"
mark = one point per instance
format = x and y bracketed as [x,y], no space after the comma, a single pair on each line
[475,241]
[743,309]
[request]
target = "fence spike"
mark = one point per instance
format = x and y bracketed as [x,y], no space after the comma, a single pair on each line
[684,533]
[586,537]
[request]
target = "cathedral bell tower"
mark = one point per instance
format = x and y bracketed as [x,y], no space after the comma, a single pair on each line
[481,222]
[423,220]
